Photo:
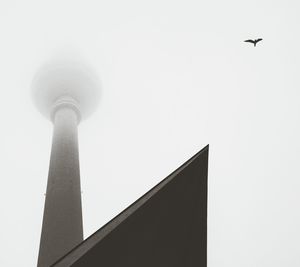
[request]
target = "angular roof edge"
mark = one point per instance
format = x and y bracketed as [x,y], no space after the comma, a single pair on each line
[81,249]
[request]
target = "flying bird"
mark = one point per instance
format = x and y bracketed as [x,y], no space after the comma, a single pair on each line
[253,41]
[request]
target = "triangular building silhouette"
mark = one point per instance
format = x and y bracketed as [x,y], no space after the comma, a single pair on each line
[167,227]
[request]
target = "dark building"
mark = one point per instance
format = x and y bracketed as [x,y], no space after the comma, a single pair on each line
[167,227]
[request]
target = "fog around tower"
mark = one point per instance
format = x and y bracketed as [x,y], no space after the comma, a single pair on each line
[69,78]
[176,76]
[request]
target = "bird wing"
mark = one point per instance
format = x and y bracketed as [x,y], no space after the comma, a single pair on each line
[258,40]
[249,41]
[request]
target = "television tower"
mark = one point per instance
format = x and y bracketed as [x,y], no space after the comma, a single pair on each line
[66,93]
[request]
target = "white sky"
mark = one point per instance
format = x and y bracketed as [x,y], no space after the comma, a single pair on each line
[176,76]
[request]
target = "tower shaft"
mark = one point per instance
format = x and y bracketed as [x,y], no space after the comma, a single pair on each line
[62,226]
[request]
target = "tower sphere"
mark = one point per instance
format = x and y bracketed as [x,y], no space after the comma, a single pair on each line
[66,83]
